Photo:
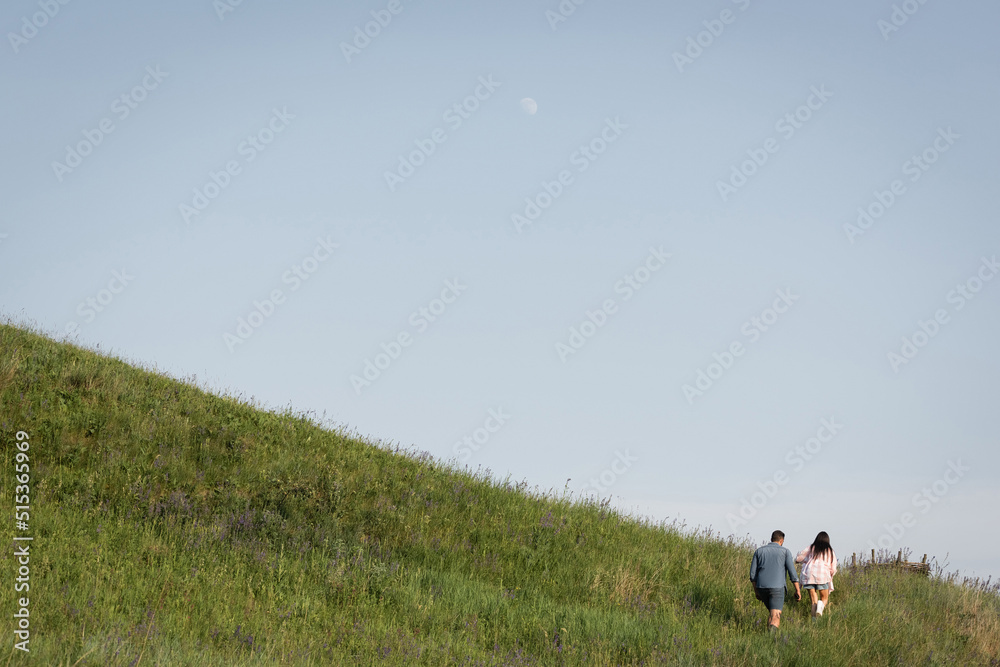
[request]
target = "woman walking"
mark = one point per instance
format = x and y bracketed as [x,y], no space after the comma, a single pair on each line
[819,564]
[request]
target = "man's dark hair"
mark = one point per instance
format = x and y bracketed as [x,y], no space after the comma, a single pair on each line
[777,535]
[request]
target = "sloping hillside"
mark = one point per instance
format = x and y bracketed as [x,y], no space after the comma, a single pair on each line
[175,527]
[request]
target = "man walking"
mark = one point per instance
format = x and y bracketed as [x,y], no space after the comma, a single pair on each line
[767,574]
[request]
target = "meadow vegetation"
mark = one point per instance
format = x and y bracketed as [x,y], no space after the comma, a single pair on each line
[173,526]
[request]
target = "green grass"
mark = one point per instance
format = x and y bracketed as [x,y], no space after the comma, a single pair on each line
[177,527]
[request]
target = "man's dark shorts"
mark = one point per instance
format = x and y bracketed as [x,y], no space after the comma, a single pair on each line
[773,598]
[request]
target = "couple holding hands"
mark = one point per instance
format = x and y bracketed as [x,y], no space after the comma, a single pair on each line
[772,561]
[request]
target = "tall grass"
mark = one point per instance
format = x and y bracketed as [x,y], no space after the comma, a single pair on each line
[177,527]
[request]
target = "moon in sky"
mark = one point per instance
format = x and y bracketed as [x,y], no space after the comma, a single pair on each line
[529,105]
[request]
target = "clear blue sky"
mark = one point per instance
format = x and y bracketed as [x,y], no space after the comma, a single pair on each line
[178,165]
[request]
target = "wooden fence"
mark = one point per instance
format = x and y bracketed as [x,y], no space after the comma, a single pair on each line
[923,567]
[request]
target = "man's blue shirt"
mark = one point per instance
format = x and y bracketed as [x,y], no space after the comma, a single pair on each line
[769,564]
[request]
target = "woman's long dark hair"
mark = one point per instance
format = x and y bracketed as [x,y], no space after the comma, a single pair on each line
[821,546]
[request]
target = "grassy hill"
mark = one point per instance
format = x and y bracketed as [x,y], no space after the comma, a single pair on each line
[175,527]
